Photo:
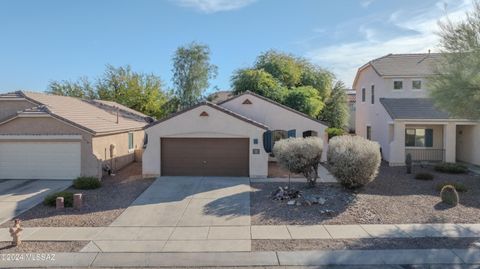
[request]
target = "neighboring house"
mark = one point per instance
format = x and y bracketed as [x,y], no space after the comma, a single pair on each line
[393,108]
[351,102]
[46,136]
[232,138]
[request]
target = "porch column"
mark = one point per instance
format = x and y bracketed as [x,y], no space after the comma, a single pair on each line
[397,146]
[450,141]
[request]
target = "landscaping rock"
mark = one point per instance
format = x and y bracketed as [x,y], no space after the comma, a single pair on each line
[291,202]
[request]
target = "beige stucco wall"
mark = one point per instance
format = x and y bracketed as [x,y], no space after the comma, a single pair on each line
[122,155]
[92,148]
[11,107]
[217,124]
[468,143]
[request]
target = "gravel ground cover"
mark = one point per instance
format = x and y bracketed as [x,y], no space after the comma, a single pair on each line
[101,207]
[43,247]
[393,198]
[358,244]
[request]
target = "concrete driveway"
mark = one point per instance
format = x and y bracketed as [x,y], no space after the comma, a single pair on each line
[17,196]
[191,201]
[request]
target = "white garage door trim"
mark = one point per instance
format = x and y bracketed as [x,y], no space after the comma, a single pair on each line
[40,159]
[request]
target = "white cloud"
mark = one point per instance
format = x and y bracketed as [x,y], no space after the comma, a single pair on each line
[419,36]
[366,3]
[213,6]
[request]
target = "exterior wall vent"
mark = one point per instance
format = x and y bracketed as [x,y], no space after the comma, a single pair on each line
[247,102]
[204,114]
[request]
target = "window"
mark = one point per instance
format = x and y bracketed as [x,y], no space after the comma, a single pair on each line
[363,94]
[417,137]
[416,84]
[373,94]
[369,132]
[397,84]
[130,141]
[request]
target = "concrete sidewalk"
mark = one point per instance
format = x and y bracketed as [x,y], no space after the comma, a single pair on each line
[296,258]
[229,238]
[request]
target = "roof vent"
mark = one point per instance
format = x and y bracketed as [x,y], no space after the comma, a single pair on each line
[247,102]
[204,114]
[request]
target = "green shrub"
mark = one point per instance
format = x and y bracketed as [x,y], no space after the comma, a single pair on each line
[424,176]
[451,168]
[354,160]
[332,132]
[87,183]
[67,198]
[457,185]
[449,195]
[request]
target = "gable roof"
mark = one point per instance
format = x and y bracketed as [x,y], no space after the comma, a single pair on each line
[413,108]
[274,103]
[91,116]
[217,107]
[403,65]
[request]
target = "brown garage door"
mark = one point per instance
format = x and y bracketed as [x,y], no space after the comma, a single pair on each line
[205,156]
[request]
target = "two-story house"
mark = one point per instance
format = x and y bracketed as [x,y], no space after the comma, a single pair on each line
[393,109]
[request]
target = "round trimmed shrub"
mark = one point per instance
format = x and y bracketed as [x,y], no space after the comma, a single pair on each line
[459,187]
[87,183]
[300,155]
[51,199]
[449,195]
[424,176]
[354,160]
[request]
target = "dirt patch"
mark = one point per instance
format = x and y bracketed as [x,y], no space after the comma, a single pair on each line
[358,244]
[394,197]
[43,246]
[102,206]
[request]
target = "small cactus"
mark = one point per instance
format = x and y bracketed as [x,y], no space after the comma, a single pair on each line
[449,195]
[408,163]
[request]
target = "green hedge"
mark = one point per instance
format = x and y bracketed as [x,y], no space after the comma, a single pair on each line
[451,168]
[51,199]
[87,183]
[424,176]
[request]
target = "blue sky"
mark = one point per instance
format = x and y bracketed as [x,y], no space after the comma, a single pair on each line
[49,40]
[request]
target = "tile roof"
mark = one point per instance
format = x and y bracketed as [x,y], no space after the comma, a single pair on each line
[89,115]
[413,108]
[420,64]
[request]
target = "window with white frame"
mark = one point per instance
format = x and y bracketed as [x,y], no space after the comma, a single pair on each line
[416,84]
[397,84]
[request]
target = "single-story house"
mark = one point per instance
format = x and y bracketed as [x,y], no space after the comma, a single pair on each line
[45,136]
[231,138]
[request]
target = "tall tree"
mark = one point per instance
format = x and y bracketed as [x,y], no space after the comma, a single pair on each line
[336,109]
[81,88]
[305,99]
[192,71]
[287,79]
[138,91]
[257,81]
[455,86]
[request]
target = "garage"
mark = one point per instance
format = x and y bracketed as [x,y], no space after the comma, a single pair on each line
[205,157]
[39,160]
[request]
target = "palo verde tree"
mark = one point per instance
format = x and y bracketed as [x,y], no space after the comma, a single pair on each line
[455,86]
[192,71]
